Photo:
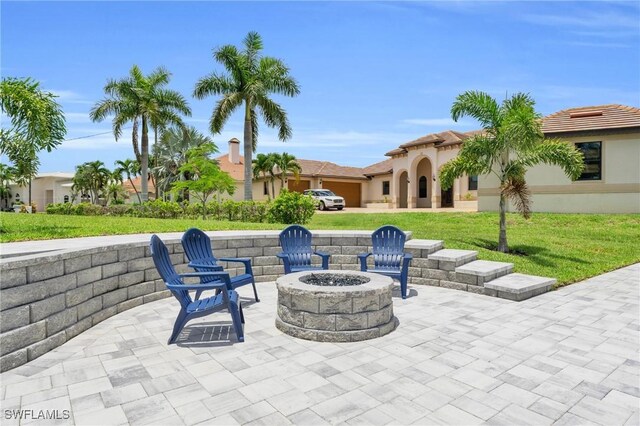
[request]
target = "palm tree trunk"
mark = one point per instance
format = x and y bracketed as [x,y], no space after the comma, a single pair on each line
[155,162]
[144,164]
[248,154]
[502,240]
[134,188]
[273,187]
[134,140]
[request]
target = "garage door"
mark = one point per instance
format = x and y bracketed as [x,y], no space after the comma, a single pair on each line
[299,186]
[349,191]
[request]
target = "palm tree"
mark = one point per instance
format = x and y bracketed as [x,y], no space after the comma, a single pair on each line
[263,165]
[512,141]
[144,98]
[171,153]
[7,174]
[131,168]
[249,81]
[288,163]
[92,176]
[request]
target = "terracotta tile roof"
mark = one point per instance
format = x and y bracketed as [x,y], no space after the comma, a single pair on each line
[598,117]
[432,138]
[381,168]
[138,184]
[328,169]
[395,152]
[446,138]
[235,170]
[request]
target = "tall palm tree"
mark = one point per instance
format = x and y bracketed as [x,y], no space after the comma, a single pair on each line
[144,98]
[171,153]
[512,141]
[288,163]
[249,81]
[131,168]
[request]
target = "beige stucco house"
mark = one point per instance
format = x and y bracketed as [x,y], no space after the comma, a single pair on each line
[609,137]
[46,188]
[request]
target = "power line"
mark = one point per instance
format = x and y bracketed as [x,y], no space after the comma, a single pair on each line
[91,136]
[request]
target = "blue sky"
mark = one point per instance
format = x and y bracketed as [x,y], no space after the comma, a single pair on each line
[373,74]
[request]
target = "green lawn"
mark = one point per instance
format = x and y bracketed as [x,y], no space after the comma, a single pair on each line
[569,247]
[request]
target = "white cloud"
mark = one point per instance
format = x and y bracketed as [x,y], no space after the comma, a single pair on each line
[70,97]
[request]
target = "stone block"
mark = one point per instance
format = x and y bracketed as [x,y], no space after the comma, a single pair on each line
[130,278]
[415,252]
[380,317]
[266,242]
[467,279]
[140,289]
[284,299]
[75,264]
[13,277]
[114,269]
[342,259]
[217,244]
[44,308]
[22,295]
[319,321]
[419,262]
[240,243]
[354,250]
[129,253]
[151,274]
[454,285]
[14,318]
[447,265]
[61,284]
[46,345]
[330,249]
[22,337]
[128,304]
[141,264]
[13,360]
[344,241]
[250,251]
[477,289]
[350,267]
[432,264]
[322,241]
[270,251]
[303,302]
[155,296]
[335,304]
[61,320]
[160,285]
[114,297]
[104,286]
[176,248]
[89,307]
[103,314]
[366,303]
[415,272]
[357,321]
[79,295]
[290,316]
[265,260]
[227,253]
[435,274]
[45,271]
[104,258]
[333,266]
[425,281]
[271,270]
[78,328]
[385,300]
[89,275]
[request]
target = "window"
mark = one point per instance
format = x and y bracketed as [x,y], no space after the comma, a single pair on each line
[66,198]
[422,187]
[385,187]
[473,183]
[592,152]
[265,187]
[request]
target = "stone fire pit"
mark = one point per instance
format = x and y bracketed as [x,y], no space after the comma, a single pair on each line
[335,306]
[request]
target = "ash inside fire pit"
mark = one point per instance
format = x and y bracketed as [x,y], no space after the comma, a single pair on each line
[335,280]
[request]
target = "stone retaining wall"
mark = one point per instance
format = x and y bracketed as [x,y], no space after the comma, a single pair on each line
[48,298]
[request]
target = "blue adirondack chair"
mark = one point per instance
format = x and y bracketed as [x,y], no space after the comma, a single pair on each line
[197,247]
[388,255]
[225,299]
[295,242]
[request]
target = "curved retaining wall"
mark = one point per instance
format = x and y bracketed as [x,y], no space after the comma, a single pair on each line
[48,298]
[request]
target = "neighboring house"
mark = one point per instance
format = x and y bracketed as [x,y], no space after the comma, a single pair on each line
[46,188]
[609,137]
[132,193]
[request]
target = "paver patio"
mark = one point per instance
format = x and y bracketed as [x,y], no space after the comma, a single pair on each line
[570,356]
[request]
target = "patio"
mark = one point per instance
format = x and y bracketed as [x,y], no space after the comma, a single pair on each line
[569,356]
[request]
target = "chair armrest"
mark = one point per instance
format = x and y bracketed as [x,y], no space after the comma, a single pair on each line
[197,287]
[364,255]
[322,253]
[244,260]
[195,264]
[224,275]
[282,255]
[363,261]
[285,262]
[408,256]
[325,258]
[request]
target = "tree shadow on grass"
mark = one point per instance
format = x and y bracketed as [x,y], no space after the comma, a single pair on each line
[541,256]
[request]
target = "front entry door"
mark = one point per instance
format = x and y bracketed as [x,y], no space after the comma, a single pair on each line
[446,198]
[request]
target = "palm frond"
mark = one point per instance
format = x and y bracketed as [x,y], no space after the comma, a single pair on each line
[478,105]
[554,152]
[515,189]
[223,110]
[274,116]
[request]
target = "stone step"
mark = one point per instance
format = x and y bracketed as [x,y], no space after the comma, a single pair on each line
[479,272]
[450,259]
[423,248]
[519,286]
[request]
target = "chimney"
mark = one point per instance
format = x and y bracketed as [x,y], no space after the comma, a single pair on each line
[234,151]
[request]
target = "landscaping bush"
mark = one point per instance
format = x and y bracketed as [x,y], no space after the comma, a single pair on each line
[292,207]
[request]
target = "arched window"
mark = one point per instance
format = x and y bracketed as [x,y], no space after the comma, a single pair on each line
[66,198]
[422,187]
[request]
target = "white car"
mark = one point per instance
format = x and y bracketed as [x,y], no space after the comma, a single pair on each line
[326,199]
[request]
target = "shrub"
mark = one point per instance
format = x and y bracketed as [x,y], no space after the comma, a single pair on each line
[292,207]
[87,209]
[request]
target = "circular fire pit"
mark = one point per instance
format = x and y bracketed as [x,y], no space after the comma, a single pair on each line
[335,306]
